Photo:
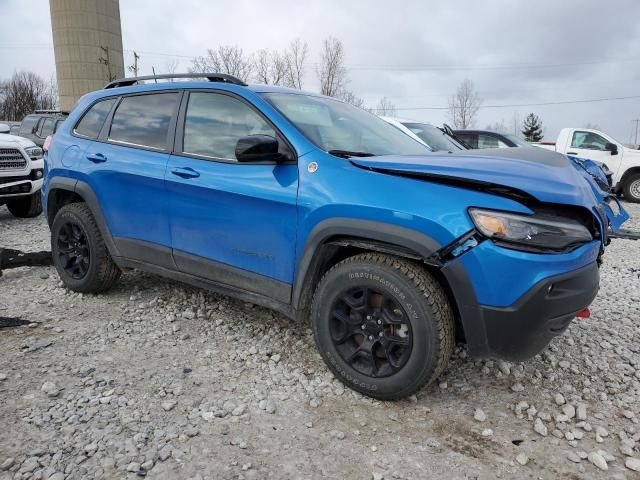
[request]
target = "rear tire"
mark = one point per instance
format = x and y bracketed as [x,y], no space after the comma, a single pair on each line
[631,188]
[26,207]
[79,253]
[393,338]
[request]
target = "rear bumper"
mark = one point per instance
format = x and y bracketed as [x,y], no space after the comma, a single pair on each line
[524,329]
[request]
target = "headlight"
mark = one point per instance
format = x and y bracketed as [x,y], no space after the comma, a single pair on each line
[529,232]
[35,153]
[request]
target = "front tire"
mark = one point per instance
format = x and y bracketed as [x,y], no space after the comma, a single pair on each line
[631,188]
[26,207]
[79,252]
[383,325]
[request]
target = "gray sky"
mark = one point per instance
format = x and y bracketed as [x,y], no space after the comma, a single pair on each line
[413,52]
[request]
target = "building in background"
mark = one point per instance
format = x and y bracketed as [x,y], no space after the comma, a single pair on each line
[87,42]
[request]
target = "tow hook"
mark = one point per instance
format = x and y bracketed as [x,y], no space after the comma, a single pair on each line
[584,313]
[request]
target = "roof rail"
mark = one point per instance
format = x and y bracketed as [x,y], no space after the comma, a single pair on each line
[212,77]
[51,111]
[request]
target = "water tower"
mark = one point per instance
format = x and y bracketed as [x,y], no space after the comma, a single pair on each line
[87,42]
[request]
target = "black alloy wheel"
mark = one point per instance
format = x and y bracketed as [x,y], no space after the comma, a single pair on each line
[73,250]
[371,332]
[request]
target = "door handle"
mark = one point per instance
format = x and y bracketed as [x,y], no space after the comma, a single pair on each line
[572,153]
[97,158]
[185,172]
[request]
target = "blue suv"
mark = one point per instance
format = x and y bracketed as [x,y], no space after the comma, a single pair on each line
[321,210]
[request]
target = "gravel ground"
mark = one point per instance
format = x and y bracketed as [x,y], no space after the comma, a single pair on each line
[159,379]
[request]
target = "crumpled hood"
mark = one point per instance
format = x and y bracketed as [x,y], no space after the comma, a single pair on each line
[547,176]
[14,140]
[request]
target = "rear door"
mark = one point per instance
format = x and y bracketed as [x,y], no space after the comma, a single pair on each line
[234,223]
[126,168]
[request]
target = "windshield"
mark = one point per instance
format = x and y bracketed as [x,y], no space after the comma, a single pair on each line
[518,141]
[434,137]
[334,126]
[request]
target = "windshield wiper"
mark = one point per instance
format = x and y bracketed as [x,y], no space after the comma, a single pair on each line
[349,153]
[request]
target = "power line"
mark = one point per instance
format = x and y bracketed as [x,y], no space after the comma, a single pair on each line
[562,102]
[397,67]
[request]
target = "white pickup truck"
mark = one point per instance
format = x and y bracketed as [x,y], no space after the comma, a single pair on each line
[595,145]
[21,173]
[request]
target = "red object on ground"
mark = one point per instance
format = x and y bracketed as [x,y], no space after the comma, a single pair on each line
[584,313]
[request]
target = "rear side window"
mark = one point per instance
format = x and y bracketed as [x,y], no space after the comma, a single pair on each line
[214,123]
[92,121]
[27,125]
[143,120]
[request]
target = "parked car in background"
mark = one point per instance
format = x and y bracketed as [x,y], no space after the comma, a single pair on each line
[598,146]
[321,210]
[489,139]
[21,174]
[433,137]
[39,125]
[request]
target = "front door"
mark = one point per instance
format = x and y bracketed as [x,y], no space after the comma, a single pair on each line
[590,145]
[233,223]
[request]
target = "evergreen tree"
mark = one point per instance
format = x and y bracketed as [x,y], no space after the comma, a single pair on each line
[532,130]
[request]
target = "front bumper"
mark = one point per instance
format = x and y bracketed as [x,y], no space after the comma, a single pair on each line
[522,330]
[503,299]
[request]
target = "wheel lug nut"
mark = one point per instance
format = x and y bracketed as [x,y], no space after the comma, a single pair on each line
[370,337]
[381,334]
[362,326]
[379,322]
[368,317]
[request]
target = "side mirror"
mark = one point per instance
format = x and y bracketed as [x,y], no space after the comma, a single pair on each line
[258,148]
[4,128]
[611,147]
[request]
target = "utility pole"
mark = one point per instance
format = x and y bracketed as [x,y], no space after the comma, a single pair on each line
[636,122]
[134,68]
[106,62]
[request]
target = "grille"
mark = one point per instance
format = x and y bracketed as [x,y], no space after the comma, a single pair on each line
[12,159]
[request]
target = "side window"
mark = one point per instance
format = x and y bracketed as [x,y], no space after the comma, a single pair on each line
[46,128]
[588,140]
[26,128]
[143,120]
[469,139]
[91,123]
[214,123]
[489,141]
[15,129]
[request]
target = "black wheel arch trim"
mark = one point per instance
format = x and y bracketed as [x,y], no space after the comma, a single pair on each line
[88,195]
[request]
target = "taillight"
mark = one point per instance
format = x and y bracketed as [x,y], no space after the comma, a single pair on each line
[47,142]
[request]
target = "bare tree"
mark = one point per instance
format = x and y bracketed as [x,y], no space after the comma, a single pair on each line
[331,71]
[296,56]
[226,59]
[464,105]
[499,127]
[24,93]
[270,67]
[386,108]
[171,66]
[349,97]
